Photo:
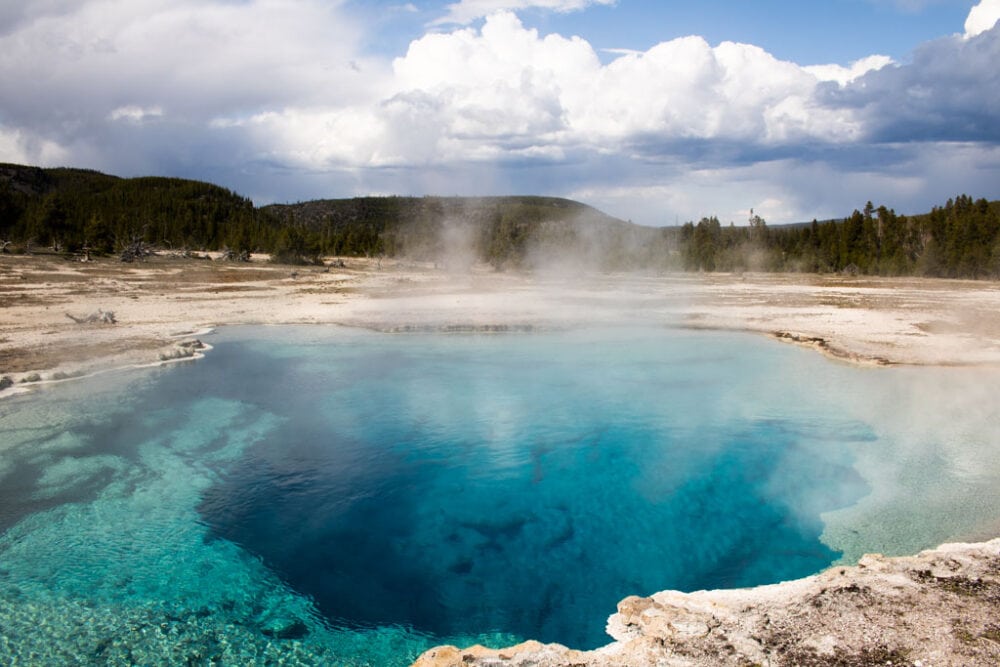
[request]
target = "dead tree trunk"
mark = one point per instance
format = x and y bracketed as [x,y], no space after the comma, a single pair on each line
[102,316]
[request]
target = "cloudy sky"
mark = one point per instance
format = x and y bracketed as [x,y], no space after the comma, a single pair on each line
[656,111]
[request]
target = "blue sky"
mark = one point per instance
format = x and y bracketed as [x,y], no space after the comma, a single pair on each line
[658,112]
[806,32]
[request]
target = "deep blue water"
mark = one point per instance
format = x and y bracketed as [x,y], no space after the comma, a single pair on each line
[441,487]
[472,484]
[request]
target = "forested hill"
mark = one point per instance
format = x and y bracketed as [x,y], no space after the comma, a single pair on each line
[71,210]
[67,209]
[505,231]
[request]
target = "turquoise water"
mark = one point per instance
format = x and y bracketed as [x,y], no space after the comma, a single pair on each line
[334,496]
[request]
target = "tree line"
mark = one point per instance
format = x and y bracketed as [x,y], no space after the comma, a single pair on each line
[73,210]
[960,239]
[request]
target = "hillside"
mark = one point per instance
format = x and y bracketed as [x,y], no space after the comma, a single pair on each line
[504,231]
[70,210]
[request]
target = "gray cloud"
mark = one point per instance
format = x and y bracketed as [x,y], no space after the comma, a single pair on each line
[73,72]
[14,15]
[278,101]
[949,92]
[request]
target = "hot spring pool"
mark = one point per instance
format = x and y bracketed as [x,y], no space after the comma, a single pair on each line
[335,496]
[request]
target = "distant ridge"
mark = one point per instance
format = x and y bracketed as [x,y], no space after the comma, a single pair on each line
[503,230]
[69,210]
[35,181]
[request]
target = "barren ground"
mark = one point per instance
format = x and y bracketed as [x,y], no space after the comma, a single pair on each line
[164,299]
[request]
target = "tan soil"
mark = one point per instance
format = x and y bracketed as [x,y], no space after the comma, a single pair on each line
[863,320]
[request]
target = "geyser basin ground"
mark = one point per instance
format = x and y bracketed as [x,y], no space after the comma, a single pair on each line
[340,496]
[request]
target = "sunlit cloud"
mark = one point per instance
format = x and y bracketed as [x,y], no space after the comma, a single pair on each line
[982,17]
[845,75]
[21,147]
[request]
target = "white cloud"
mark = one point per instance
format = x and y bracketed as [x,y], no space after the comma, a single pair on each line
[197,58]
[516,86]
[622,52]
[135,114]
[316,138]
[465,12]
[91,75]
[690,194]
[910,178]
[982,17]
[509,89]
[21,148]
[268,95]
[845,75]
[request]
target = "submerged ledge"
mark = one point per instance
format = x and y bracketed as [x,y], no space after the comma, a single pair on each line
[185,348]
[940,607]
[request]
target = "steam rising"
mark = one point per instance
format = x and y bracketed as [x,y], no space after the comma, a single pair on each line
[935,476]
[547,236]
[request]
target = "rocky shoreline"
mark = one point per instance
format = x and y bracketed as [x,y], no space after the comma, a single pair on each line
[940,607]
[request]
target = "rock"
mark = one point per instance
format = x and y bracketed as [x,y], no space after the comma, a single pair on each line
[939,608]
[5,382]
[184,350]
[528,654]
[31,377]
[282,627]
